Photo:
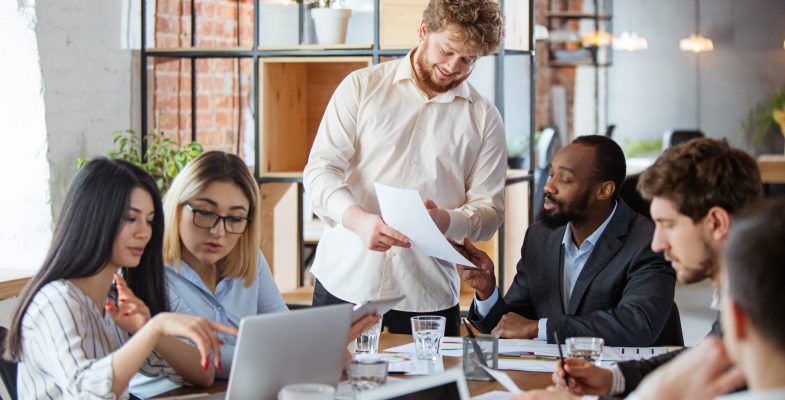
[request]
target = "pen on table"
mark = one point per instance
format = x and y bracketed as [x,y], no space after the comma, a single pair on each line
[527,357]
[561,356]
[475,345]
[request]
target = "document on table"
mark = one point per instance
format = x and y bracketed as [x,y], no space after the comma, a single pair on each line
[504,379]
[450,346]
[404,211]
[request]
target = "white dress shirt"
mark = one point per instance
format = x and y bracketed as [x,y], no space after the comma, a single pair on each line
[67,347]
[380,127]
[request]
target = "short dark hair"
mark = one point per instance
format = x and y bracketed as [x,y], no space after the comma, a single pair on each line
[92,216]
[754,266]
[609,163]
[482,21]
[700,174]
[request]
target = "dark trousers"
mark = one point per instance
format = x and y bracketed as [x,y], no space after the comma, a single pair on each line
[395,321]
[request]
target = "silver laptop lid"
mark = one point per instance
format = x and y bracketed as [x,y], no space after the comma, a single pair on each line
[274,350]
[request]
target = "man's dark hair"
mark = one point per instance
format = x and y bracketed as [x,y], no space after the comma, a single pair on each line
[609,163]
[700,174]
[754,267]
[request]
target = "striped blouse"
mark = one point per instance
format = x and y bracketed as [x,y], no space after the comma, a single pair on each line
[67,347]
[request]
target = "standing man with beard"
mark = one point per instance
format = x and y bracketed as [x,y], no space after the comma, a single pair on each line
[412,123]
[586,267]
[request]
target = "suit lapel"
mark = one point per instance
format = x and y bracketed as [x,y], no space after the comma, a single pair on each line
[609,243]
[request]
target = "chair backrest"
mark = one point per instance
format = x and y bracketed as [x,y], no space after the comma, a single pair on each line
[7,368]
[548,145]
[672,137]
[629,193]
[671,334]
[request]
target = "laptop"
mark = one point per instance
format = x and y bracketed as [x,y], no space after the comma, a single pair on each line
[449,385]
[274,350]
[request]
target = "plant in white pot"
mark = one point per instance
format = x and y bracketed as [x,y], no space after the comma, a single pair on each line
[330,20]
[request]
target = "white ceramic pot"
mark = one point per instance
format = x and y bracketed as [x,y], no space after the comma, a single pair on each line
[330,24]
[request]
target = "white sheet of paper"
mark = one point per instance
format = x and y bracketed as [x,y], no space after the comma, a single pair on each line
[450,346]
[404,211]
[504,379]
[494,395]
[145,387]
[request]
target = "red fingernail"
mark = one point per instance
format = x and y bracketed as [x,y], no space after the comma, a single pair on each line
[219,366]
[205,364]
[125,314]
[122,300]
[108,303]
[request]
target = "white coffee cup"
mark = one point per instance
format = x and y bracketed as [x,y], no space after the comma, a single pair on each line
[307,391]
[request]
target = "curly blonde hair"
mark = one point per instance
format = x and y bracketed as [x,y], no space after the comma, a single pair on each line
[481,21]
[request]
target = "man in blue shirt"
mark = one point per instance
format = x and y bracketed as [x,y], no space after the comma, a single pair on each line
[586,268]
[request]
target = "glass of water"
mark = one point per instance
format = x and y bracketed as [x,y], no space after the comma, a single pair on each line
[368,341]
[586,348]
[428,331]
[367,372]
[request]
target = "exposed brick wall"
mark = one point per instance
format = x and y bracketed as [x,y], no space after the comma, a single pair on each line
[547,76]
[222,85]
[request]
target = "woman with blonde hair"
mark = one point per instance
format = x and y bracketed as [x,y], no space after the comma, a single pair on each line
[211,247]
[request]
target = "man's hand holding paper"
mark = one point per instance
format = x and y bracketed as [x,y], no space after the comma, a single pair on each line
[404,211]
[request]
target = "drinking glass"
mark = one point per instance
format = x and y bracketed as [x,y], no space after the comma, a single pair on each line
[368,341]
[587,348]
[367,373]
[428,331]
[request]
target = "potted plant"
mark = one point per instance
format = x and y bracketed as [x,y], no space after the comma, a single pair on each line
[763,119]
[165,157]
[330,20]
[517,151]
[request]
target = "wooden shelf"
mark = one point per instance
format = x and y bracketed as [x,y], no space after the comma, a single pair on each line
[12,281]
[772,168]
[577,15]
[321,47]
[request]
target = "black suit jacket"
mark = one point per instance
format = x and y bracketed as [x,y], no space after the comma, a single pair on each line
[623,294]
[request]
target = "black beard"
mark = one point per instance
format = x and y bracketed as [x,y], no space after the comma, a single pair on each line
[575,212]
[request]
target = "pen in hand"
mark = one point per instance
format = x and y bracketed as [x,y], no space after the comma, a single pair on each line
[561,356]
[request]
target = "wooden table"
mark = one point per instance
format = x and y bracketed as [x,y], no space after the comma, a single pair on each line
[524,380]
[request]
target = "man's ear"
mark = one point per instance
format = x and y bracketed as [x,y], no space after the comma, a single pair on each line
[718,223]
[422,31]
[606,190]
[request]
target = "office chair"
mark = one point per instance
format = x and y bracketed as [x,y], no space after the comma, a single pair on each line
[671,334]
[672,137]
[7,368]
[547,147]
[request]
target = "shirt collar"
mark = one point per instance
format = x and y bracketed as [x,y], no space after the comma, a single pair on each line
[404,71]
[595,236]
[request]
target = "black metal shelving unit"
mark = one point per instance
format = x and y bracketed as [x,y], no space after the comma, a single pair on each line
[256,53]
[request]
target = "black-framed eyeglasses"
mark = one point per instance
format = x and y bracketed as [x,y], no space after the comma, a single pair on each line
[208,220]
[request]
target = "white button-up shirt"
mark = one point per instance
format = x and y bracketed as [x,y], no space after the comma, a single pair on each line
[380,127]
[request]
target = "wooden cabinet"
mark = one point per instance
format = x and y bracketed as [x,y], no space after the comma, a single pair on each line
[287,90]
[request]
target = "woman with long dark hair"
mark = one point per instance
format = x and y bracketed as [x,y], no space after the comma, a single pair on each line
[70,337]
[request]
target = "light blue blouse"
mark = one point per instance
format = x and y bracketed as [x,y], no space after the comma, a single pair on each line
[232,301]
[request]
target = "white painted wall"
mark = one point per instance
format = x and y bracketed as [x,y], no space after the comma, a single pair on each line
[24,171]
[90,76]
[654,90]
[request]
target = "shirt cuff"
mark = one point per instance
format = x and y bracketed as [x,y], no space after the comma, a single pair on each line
[458,226]
[542,329]
[483,307]
[337,204]
[619,383]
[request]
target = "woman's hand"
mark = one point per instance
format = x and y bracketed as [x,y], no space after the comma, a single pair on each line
[131,313]
[199,330]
